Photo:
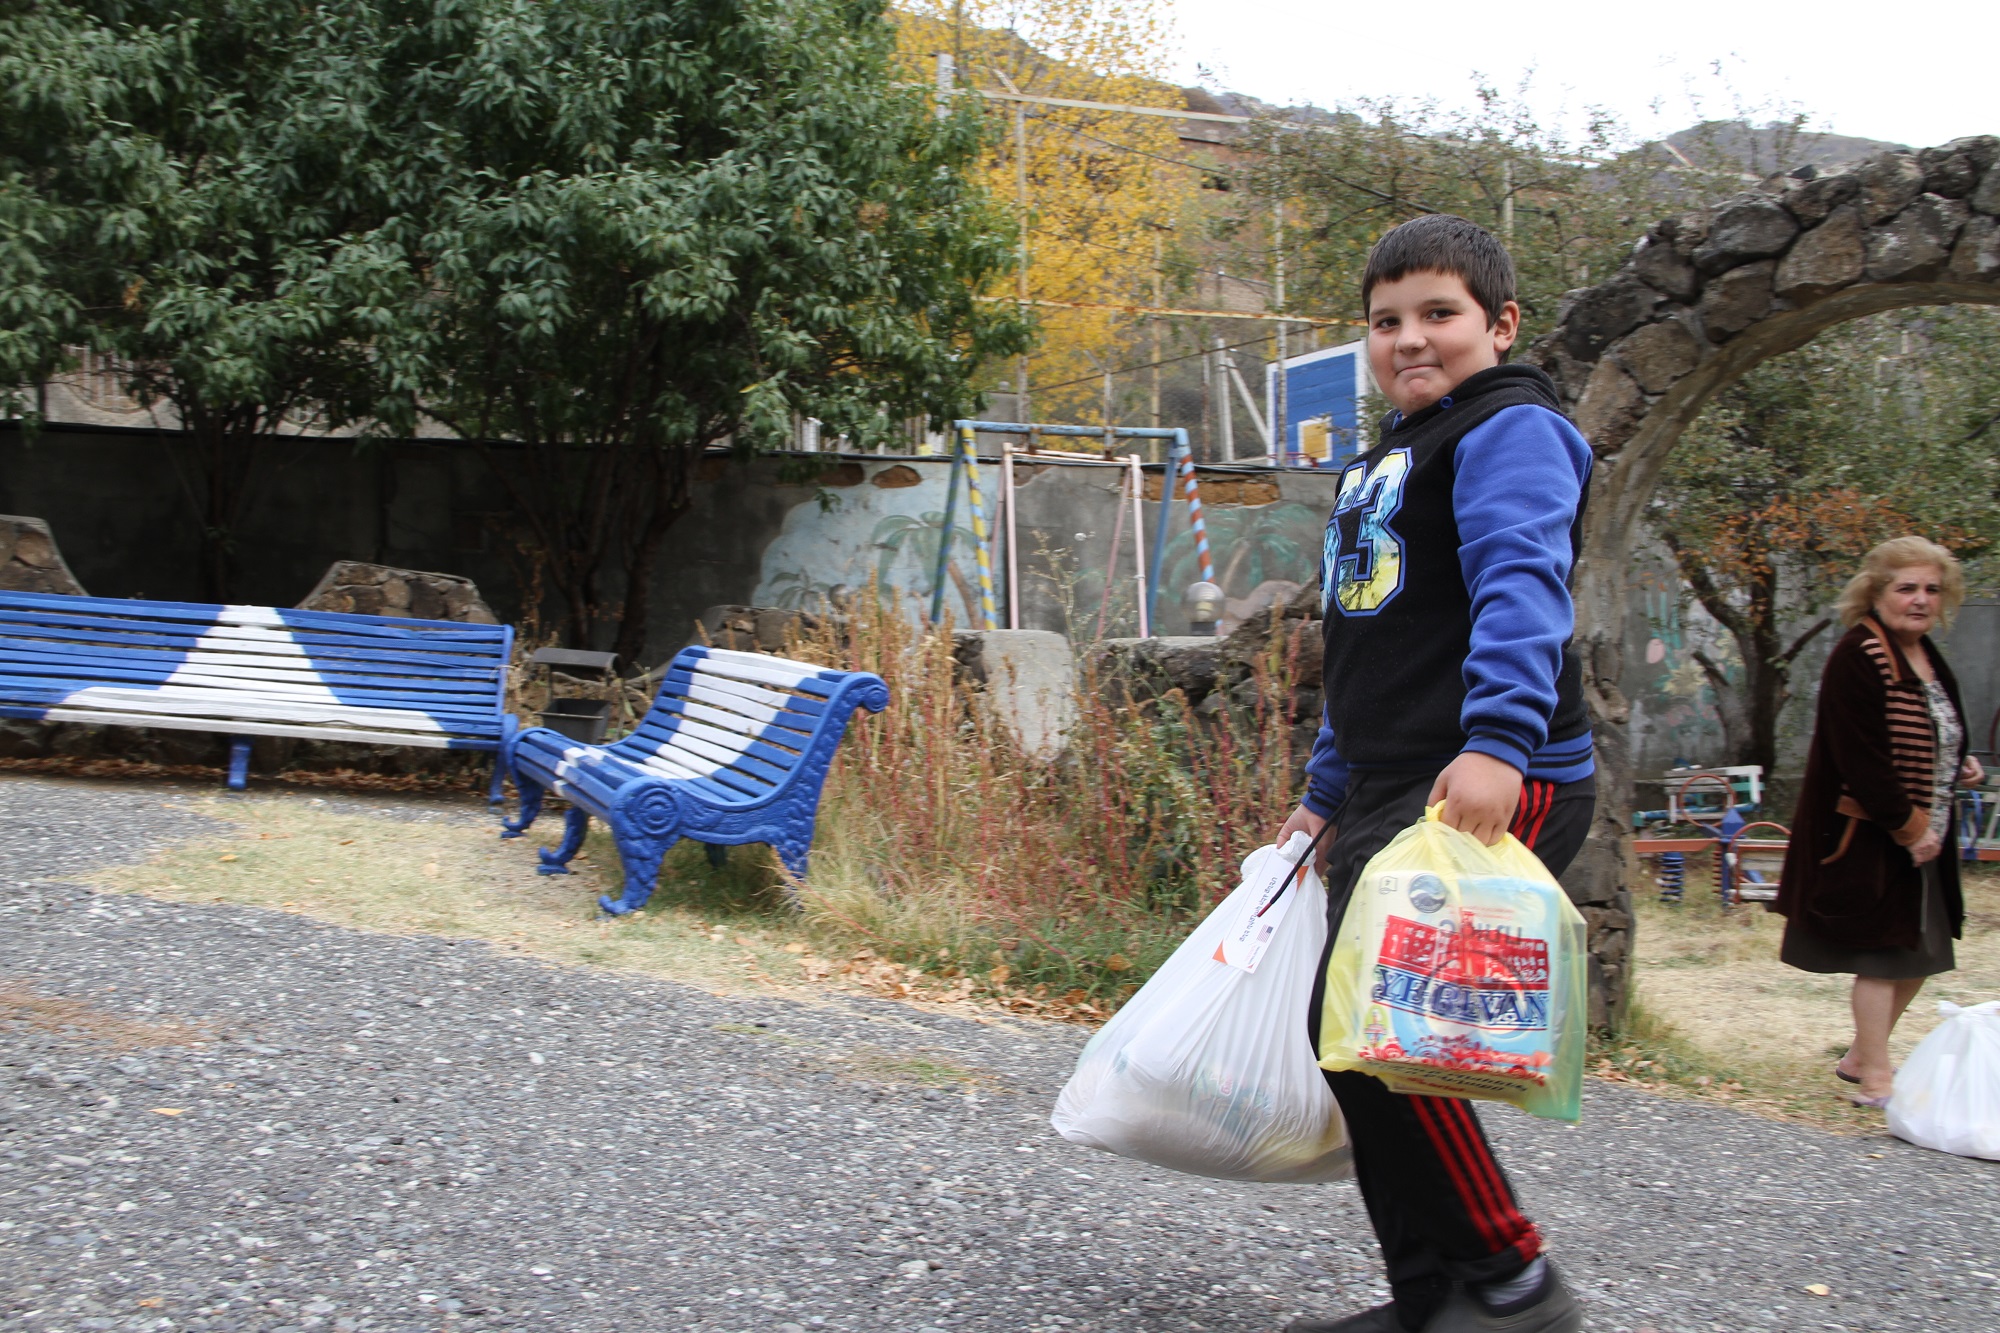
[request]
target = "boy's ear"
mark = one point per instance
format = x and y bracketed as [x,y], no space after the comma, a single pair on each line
[1506,327]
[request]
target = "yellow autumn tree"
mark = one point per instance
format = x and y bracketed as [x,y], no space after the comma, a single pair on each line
[1103,190]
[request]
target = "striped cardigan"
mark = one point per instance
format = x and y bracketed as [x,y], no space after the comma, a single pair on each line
[1866,798]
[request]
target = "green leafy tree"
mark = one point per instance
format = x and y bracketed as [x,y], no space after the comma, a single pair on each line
[1878,428]
[208,194]
[659,228]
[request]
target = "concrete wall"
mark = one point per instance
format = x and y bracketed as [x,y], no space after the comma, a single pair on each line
[781,530]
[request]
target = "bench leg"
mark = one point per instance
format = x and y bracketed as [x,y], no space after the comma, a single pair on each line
[555,860]
[494,793]
[239,762]
[531,806]
[718,854]
[793,853]
[641,856]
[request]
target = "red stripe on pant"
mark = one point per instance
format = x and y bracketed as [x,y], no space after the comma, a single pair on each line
[1476,1176]
[1537,799]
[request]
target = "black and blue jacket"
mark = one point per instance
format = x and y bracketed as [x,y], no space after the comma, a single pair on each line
[1446,589]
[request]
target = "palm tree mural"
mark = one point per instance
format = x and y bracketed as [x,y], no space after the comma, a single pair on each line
[1254,543]
[901,535]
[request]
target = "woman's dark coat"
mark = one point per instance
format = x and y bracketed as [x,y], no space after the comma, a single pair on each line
[1847,878]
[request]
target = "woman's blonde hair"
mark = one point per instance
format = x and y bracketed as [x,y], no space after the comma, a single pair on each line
[1880,566]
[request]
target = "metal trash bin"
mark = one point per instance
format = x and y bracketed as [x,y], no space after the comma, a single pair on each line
[579,719]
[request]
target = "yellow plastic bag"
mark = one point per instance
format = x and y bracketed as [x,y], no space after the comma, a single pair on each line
[1459,972]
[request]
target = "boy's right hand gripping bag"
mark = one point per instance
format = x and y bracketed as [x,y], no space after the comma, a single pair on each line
[1459,973]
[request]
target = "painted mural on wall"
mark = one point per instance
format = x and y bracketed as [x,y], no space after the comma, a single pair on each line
[1075,558]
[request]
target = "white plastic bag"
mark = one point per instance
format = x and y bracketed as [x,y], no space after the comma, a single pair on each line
[1208,1069]
[1948,1092]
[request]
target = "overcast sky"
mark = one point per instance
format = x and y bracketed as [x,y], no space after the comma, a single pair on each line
[1919,74]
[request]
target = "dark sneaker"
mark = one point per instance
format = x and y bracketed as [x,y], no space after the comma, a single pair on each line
[1381,1319]
[1550,1310]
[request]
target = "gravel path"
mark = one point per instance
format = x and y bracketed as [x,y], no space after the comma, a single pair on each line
[218,1117]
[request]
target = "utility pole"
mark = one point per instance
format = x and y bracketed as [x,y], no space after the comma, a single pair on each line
[1225,413]
[1021,277]
[1281,414]
[947,75]
[1159,299]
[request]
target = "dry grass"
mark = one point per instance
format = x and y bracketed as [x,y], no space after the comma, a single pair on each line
[1715,1004]
[721,929]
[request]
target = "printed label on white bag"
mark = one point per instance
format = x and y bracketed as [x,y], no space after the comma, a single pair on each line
[1244,944]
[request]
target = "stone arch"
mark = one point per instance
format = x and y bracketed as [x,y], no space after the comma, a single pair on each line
[1703,298]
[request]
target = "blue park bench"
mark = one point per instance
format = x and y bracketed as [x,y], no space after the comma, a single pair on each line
[247,671]
[734,750]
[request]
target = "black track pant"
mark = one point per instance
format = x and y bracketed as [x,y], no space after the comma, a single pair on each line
[1441,1206]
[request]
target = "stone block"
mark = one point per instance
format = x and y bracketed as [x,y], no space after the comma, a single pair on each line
[1663,268]
[1658,354]
[754,629]
[1736,300]
[1810,201]
[1916,243]
[1948,172]
[1976,257]
[1889,181]
[1755,228]
[360,588]
[1828,257]
[1028,680]
[1611,407]
[1982,149]
[1985,196]
[30,561]
[1601,315]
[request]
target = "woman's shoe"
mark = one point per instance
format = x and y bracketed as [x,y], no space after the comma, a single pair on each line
[1843,1075]
[1871,1103]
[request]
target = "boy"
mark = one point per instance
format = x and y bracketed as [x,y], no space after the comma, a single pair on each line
[1449,678]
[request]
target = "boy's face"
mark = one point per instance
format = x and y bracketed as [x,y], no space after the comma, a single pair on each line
[1426,334]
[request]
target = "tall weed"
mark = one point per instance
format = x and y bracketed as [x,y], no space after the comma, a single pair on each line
[942,845]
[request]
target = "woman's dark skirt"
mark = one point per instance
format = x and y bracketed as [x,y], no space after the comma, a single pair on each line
[1933,954]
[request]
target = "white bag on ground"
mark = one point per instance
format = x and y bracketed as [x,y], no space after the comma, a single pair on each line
[1948,1092]
[1208,1069]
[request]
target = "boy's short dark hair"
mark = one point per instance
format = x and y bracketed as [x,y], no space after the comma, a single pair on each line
[1444,243]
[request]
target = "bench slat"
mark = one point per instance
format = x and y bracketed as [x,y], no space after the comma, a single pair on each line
[766,670]
[748,764]
[685,682]
[264,643]
[667,715]
[52,690]
[727,745]
[91,610]
[28,639]
[433,740]
[135,706]
[47,668]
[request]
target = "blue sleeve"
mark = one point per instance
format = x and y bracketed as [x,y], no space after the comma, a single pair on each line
[1519,479]
[1326,774]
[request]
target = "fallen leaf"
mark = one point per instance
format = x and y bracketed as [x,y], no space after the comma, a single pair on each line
[746,941]
[795,948]
[1819,1289]
[170,1110]
[345,842]
[1118,962]
[151,1303]
[431,869]
[227,856]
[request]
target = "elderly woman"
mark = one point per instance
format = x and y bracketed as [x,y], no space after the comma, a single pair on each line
[1870,884]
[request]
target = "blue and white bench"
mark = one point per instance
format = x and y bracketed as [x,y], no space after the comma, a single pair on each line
[249,671]
[734,750]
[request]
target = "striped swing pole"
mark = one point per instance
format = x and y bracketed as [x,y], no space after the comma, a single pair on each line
[1193,490]
[969,448]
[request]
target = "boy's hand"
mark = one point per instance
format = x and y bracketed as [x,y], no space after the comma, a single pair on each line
[1479,794]
[1306,822]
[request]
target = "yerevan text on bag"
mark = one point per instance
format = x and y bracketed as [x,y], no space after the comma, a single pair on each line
[1948,1092]
[1208,1069]
[1458,972]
